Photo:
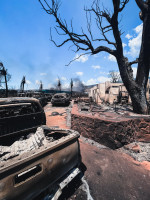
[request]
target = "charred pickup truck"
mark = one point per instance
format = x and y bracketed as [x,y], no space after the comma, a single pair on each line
[60,99]
[34,157]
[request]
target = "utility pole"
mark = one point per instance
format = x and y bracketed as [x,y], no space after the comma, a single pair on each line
[3,72]
[41,86]
[59,84]
[22,84]
[6,85]
[71,85]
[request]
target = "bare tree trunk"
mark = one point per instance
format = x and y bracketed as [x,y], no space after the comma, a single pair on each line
[144,57]
[136,88]
[136,92]
[144,60]
[71,91]
[139,101]
[6,91]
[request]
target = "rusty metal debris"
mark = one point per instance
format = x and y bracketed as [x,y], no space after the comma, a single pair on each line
[90,107]
[42,97]
[83,106]
[57,113]
[93,108]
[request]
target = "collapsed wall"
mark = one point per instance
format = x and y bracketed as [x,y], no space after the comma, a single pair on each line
[112,130]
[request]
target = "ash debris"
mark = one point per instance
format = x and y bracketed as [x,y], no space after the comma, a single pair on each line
[86,189]
[104,108]
[32,142]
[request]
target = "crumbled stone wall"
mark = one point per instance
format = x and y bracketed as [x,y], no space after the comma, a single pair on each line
[110,132]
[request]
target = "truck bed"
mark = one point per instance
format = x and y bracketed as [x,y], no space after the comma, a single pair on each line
[32,165]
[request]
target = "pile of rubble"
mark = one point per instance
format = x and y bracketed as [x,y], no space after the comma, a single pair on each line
[110,127]
[98,109]
[140,151]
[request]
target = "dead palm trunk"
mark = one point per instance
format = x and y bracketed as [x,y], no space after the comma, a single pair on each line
[6,86]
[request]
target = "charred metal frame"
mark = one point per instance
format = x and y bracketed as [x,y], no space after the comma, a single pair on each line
[22,122]
[60,101]
[27,175]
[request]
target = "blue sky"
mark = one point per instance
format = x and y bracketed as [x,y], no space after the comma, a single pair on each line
[26,49]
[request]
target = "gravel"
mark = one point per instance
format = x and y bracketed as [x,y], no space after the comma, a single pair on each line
[142,154]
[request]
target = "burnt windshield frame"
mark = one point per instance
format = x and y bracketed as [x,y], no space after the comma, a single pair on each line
[19,109]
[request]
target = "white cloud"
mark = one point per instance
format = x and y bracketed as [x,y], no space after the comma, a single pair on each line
[139,28]
[135,43]
[124,45]
[63,78]
[104,73]
[28,82]
[101,79]
[82,58]
[91,81]
[96,55]
[43,74]
[128,36]
[79,73]
[37,82]
[96,67]
[111,58]
[50,85]
[134,71]
[66,85]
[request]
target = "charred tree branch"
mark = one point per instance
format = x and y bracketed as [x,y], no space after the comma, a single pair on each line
[134,62]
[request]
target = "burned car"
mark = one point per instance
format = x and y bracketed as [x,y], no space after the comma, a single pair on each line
[34,157]
[60,99]
[48,96]
[19,115]
[40,96]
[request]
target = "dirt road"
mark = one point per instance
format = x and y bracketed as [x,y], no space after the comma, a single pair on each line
[57,116]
